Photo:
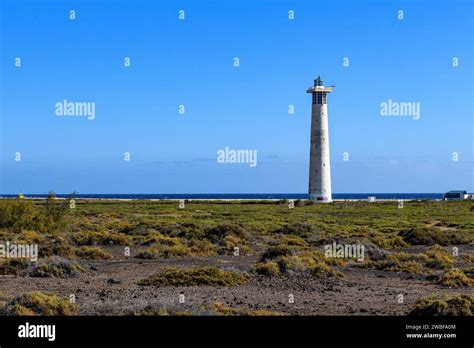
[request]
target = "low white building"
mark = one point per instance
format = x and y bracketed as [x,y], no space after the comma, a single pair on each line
[457,195]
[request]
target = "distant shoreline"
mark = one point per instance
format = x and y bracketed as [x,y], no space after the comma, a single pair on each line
[338,197]
[220,200]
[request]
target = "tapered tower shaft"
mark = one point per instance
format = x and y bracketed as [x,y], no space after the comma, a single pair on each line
[319,161]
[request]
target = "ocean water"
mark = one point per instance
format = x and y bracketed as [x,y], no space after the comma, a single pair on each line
[256,196]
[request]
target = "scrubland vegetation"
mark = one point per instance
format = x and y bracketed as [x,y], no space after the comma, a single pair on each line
[195,276]
[445,305]
[279,243]
[38,303]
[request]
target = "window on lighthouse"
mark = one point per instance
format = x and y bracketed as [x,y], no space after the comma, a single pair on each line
[319,98]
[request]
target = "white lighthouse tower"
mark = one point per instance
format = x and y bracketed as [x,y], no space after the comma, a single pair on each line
[319,162]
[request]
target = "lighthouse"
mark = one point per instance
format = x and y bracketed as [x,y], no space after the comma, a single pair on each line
[319,162]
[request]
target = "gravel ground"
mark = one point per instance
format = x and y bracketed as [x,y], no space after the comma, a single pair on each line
[109,288]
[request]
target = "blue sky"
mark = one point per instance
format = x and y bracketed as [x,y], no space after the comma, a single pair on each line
[190,62]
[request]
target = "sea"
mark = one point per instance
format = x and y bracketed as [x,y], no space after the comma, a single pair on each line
[244,196]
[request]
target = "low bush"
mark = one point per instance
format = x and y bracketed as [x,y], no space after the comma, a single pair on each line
[453,278]
[267,268]
[92,253]
[277,260]
[194,248]
[399,262]
[276,252]
[298,229]
[55,267]
[438,259]
[99,238]
[218,308]
[16,215]
[432,236]
[218,233]
[38,303]
[13,266]
[444,305]
[195,276]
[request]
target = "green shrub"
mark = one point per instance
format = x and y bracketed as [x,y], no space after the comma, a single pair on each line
[38,303]
[201,247]
[55,212]
[434,305]
[166,252]
[469,271]
[454,278]
[48,216]
[438,259]
[32,237]
[322,270]
[267,268]
[99,238]
[158,238]
[194,248]
[16,215]
[292,241]
[56,246]
[92,253]
[195,276]
[388,242]
[432,236]
[280,259]
[275,252]
[56,267]
[219,308]
[298,229]
[399,262]
[218,233]
[160,311]
[13,266]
